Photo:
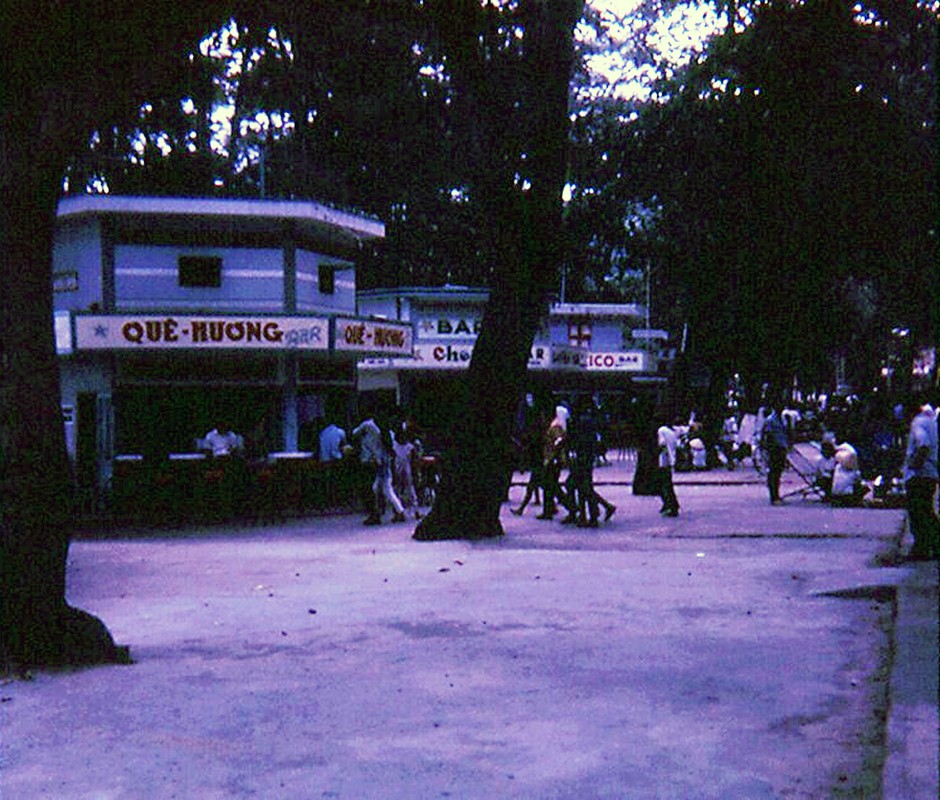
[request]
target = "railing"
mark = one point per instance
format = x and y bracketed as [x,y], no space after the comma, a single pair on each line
[196,486]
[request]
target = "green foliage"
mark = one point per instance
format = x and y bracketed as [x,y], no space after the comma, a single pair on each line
[767,182]
[795,172]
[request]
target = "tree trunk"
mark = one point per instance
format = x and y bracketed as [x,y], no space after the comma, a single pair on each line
[38,627]
[525,223]
[68,69]
[479,463]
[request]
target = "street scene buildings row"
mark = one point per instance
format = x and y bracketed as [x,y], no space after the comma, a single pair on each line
[175,316]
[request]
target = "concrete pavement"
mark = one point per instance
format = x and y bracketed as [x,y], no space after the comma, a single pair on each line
[738,651]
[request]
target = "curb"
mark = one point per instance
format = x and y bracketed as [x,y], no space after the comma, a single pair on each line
[913,725]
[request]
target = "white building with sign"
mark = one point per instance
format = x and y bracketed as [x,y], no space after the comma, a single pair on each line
[175,315]
[598,348]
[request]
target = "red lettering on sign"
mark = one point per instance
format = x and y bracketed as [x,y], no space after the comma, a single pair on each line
[389,337]
[355,334]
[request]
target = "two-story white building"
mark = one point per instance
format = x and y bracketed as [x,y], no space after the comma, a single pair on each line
[174,315]
[603,349]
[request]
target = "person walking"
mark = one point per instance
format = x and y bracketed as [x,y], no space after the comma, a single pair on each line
[376,453]
[729,440]
[405,450]
[532,461]
[920,479]
[554,452]
[584,499]
[775,444]
[667,441]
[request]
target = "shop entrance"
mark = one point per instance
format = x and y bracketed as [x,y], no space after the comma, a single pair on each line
[154,421]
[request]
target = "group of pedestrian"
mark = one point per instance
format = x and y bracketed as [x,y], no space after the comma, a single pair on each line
[387,453]
[572,442]
[841,475]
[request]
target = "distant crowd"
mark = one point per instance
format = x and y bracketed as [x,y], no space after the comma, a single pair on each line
[849,450]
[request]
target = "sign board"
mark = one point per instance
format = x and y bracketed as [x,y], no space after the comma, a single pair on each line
[448,327]
[618,361]
[62,325]
[455,355]
[145,332]
[426,356]
[375,336]
[566,357]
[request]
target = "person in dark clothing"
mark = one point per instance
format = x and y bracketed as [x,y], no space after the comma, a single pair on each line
[532,461]
[584,499]
[921,476]
[775,443]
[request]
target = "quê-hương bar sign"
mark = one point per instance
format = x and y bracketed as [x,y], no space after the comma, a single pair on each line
[373,336]
[122,332]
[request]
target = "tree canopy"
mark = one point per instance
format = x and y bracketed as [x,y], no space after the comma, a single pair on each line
[774,173]
[783,188]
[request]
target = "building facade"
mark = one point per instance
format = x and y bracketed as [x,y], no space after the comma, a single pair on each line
[602,349]
[176,315]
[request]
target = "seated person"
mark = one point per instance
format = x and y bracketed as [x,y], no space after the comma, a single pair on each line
[697,447]
[825,467]
[222,441]
[332,443]
[847,486]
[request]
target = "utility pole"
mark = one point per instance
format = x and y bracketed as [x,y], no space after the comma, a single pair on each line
[649,299]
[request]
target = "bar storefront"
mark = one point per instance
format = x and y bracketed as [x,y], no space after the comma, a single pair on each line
[596,349]
[156,385]
[175,317]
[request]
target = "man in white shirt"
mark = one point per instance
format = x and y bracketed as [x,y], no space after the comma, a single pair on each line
[920,477]
[667,441]
[374,454]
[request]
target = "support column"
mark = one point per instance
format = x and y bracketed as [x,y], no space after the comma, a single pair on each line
[289,400]
[290,270]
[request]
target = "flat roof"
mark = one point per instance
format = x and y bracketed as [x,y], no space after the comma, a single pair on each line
[452,292]
[311,218]
[598,310]
[448,292]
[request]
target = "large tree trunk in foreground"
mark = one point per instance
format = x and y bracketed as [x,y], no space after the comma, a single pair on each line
[36,494]
[479,462]
[524,222]
[68,68]
[41,125]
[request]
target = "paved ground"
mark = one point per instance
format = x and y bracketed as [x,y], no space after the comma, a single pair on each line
[739,651]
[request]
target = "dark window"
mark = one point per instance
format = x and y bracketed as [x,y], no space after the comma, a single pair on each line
[327,278]
[200,271]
